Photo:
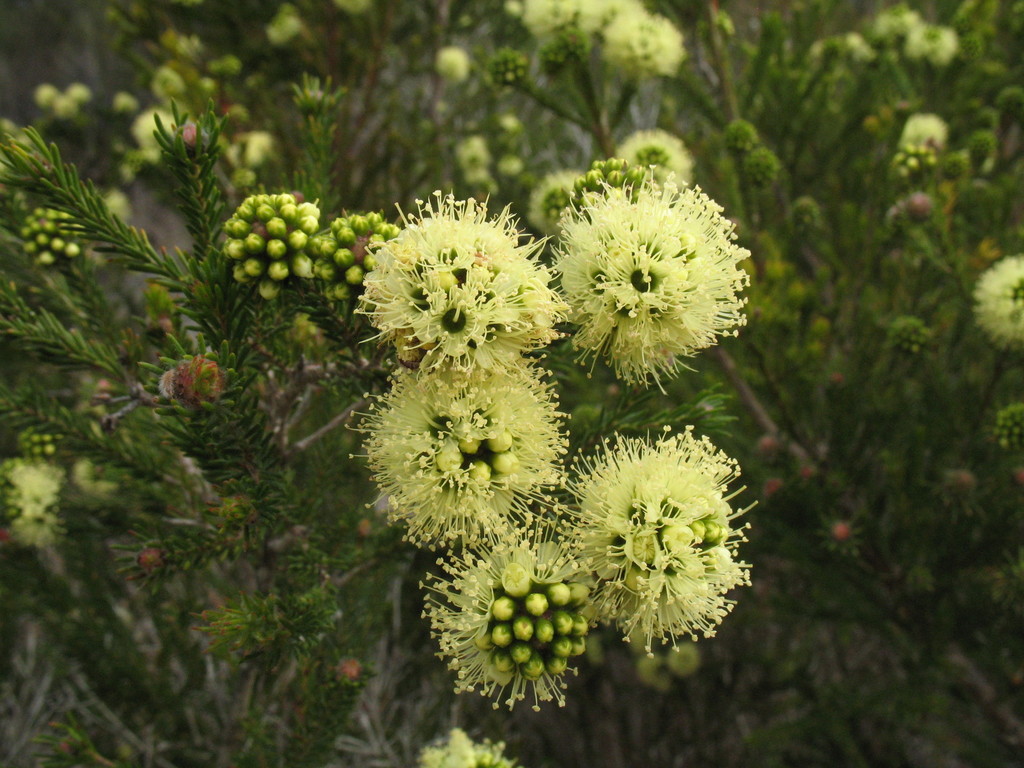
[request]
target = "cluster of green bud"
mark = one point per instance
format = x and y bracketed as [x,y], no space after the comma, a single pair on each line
[761,166]
[482,458]
[740,137]
[37,445]
[1010,102]
[343,256]
[613,172]
[806,215]
[45,239]
[1009,428]
[914,160]
[908,334]
[981,145]
[267,240]
[679,662]
[534,628]
[569,45]
[956,165]
[508,66]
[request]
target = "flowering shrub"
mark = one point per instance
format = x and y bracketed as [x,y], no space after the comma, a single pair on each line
[364,357]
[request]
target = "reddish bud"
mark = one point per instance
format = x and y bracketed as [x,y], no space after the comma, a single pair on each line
[193,382]
[919,206]
[189,133]
[364,528]
[841,530]
[836,378]
[959,480]
[771,486]
[5,536]
[299,197]
[350,669]
[807,472]
[1018,476]
[768,447]
[150,559]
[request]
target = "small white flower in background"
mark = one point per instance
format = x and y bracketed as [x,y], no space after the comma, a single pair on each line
[452,63]
[924,129]
[660,149]
[999,302]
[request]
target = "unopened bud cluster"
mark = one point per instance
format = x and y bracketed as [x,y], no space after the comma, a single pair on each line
[508,67]
[914,160]
[614,173]
[46,240]
[37,445]
[343,256]
[909,335]
[534,628]
[268,238]
[1009,428]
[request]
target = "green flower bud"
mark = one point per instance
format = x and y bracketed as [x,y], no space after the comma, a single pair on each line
[253,267]
[556,665]
[521,652]
[469,446]
[515,579]
[579,646]
[277,249]
[297,240]
[344,258]
[544,630]
[580,626]
[449,459]
[309,224]
[277,228]
[269,289]
[561,646]
[563,622]
[254,244]
[502,635]
[480,471]
[265,212]
[502,660]
[505,463]
[504,608]
[533,668]
[237,228]
[302,266]
[536,603]
[234,249]
[325,270]
[580,593]
[522,628]
[369,262]
[500,443]
[354,275]
[483,641]
[559,594]
[278,270]
[290,213]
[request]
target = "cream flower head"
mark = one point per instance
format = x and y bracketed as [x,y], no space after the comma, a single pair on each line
[462,456]
[650,277]
[509,619]
[643,44]
[459,751]
[550,198]
[937,45]
[999,302]
[457,288]
[655,526]
[660,149]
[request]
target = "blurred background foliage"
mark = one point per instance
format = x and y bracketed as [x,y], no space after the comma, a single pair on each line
[884,625]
